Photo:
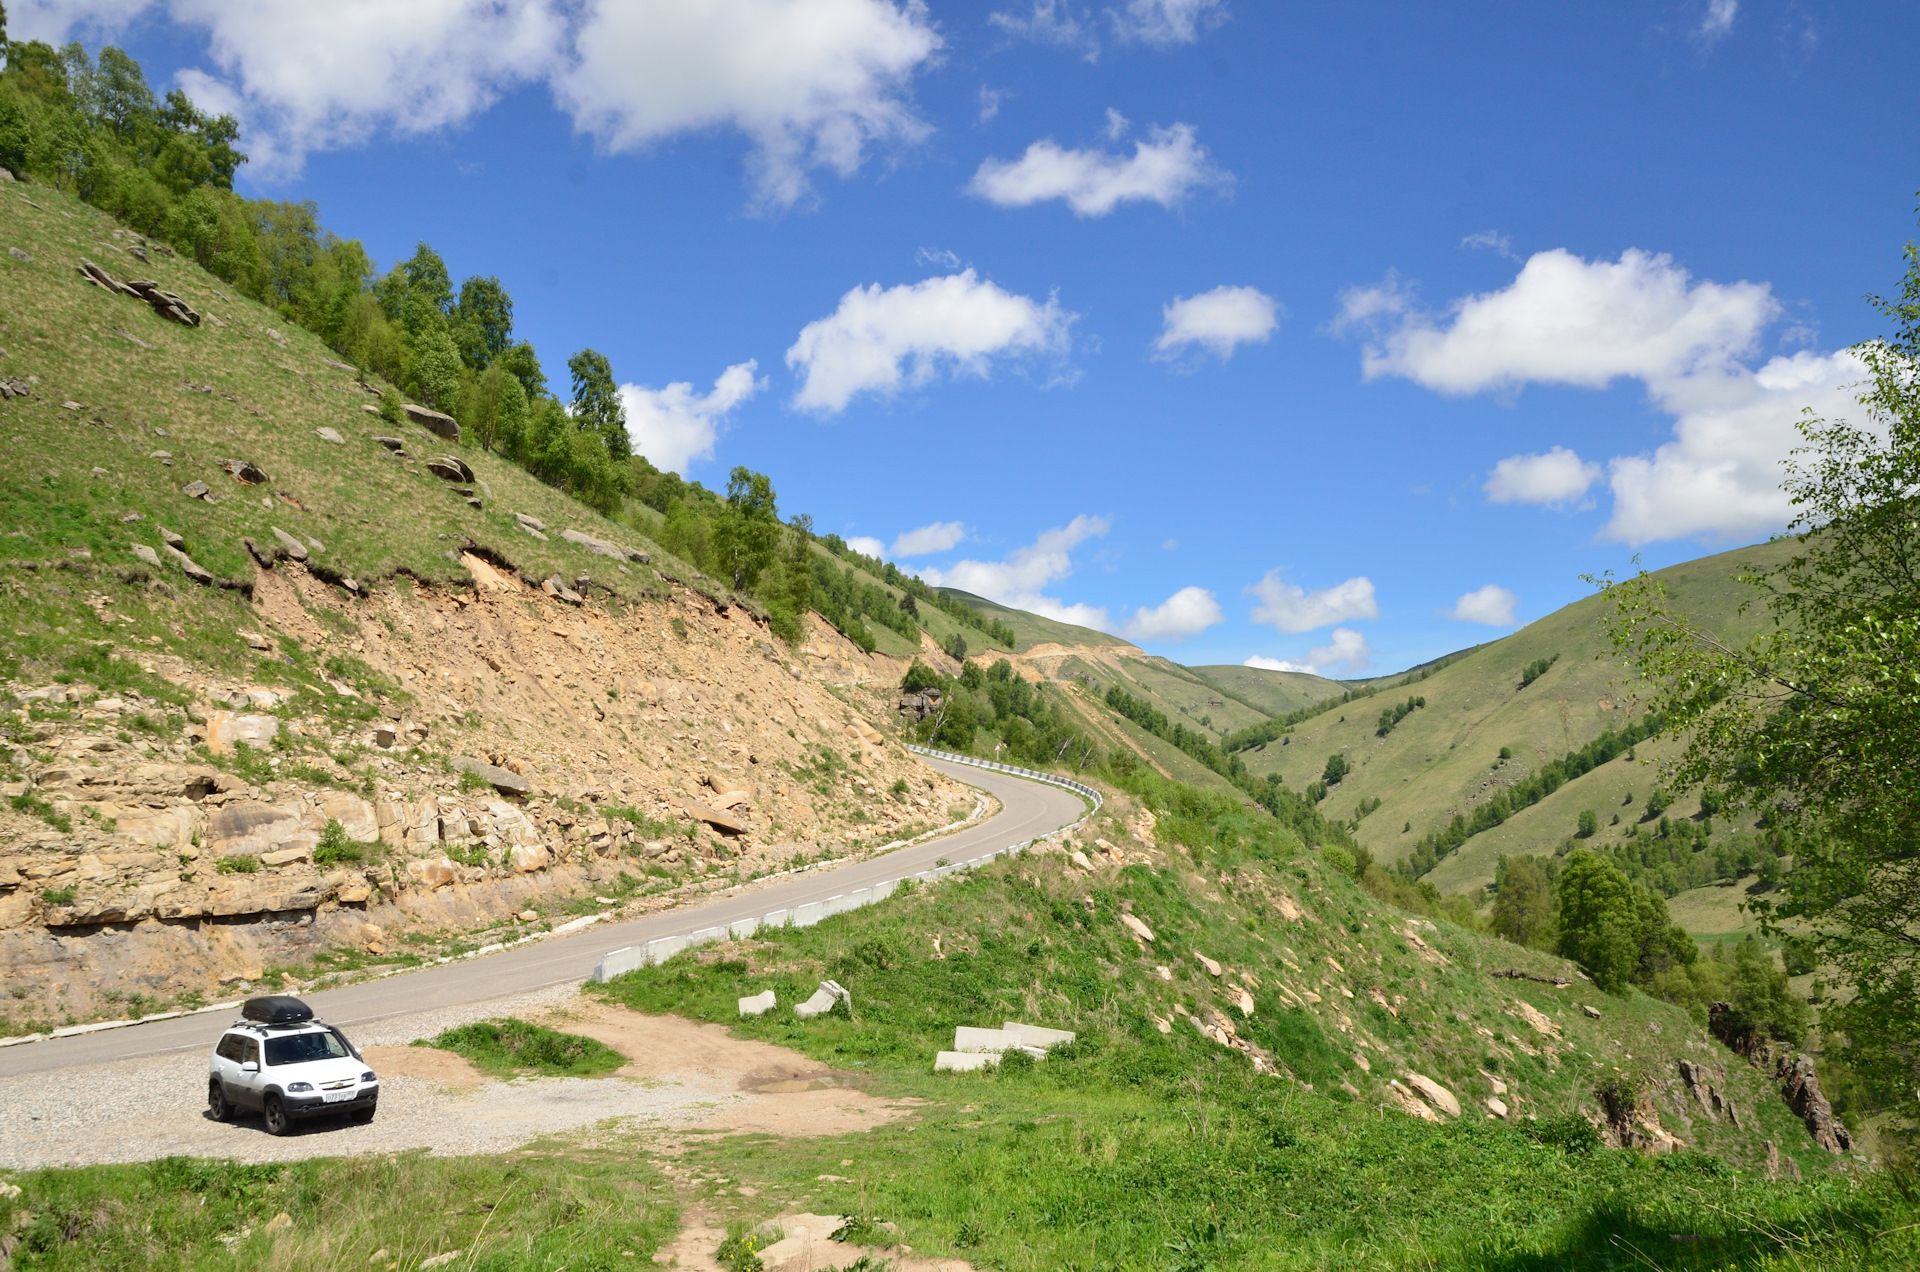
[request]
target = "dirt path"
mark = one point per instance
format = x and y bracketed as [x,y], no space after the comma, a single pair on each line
[681,1076]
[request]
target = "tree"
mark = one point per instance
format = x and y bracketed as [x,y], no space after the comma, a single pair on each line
[436,368]
[955,647]
[1588,824]
[493,408]
[484,320]
[1815,720]
[1337,768]
[1523,909]
[417,294]
[597,407]
[919,678]
[1615,928]
[746,535]
[523,364]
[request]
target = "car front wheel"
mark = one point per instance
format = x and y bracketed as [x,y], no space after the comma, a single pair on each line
[363,1116]
[278,1123]
[217,1107]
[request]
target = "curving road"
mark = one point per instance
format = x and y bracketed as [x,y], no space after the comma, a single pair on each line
[1028,809]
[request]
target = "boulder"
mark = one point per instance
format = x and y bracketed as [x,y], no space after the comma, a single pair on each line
[197,490]
[353,892]
[432,872]
[292,546]
[330,435]
[355,815]
[1213,968]
[286,856]
[244,472]
[530,523]
[437,422]
[1434,1094]
[559,591]
[713,817]
[1136,927]
[503,780]
[527,858]
[601,546]
[450,468]
[225,729]
[147,554]
[1496,1106]
[391,443]
[191,568]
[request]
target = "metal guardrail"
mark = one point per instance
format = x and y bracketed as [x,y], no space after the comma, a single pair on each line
[616,962]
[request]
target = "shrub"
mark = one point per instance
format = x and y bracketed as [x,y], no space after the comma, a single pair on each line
[334,846]
[60,896]
[505,1046]
[239,863]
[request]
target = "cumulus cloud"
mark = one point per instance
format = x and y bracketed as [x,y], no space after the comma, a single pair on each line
[881,340]
[1565,320]
[1165,23]
[1187,612]
[1292,608]
[1492,605]
[1347,651]
[1017,580]
[1717,22]
[1569,321]
[1275,664]
[811,83]
[938,537]
[1163,169]
[1052,22]
[866,546]
[1555,479]
[675,426]
[1218,321]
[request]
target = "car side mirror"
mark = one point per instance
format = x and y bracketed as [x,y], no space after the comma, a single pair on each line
[250,1066]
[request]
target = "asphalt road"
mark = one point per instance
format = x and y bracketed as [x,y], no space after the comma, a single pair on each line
[1028,809]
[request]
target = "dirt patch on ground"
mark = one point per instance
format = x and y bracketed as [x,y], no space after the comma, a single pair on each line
[782,1092]
[803,1243]
[428,1063]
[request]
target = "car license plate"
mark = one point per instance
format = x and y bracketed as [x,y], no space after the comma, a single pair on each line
[339,1097]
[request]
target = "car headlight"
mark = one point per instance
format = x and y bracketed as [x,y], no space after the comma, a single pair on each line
[299,1086]
[368,1076]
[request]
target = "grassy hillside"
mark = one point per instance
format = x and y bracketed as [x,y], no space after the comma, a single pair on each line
[1444,757]
[1273,692]
[1032,629]
[1281,1144]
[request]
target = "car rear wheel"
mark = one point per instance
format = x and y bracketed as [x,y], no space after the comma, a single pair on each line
[278,1123]
[217,1107]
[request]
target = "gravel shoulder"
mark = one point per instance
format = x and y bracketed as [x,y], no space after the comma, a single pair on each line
[680,1075]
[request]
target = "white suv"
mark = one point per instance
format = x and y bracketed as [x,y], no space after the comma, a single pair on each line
[281,1061]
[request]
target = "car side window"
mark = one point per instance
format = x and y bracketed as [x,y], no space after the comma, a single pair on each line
[230,1047]
[250,1053]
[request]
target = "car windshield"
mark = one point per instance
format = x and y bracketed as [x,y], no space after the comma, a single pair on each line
[301,1048]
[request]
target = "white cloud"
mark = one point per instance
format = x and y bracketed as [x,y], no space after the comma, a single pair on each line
[1165,23]
[990,99]
[675,426]
[1117,124]
[1556,478]
[1017,580]
[878,340]
[1348,651]
[1492,239]
[1492,605]
[1719,477]
[1567,321]
[868,547]
[812,83]
[938,537]
[937,256]
[1163,169]
[1218,320]
[1275,664]
[1052,22]
[1717,22]
[1292,608]
[1187,612]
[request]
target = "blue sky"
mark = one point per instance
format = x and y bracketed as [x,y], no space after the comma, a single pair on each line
[1329,335]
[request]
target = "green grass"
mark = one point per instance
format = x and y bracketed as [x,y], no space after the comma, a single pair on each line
[1273,692]
[1136,1149]
[596,1209]
[506,1048]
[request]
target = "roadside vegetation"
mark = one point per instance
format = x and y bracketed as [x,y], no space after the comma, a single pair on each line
[507,1048]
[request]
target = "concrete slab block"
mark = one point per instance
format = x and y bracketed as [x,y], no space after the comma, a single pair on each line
[758,1004]
[964,1061]
[969,1039]
[1038,1035]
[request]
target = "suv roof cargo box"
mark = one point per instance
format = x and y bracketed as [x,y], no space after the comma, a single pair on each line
[276,1009]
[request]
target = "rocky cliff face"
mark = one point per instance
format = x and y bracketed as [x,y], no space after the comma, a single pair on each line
[149,853]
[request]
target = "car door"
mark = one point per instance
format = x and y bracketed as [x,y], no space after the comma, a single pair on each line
[226,1065]
[252,1077]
